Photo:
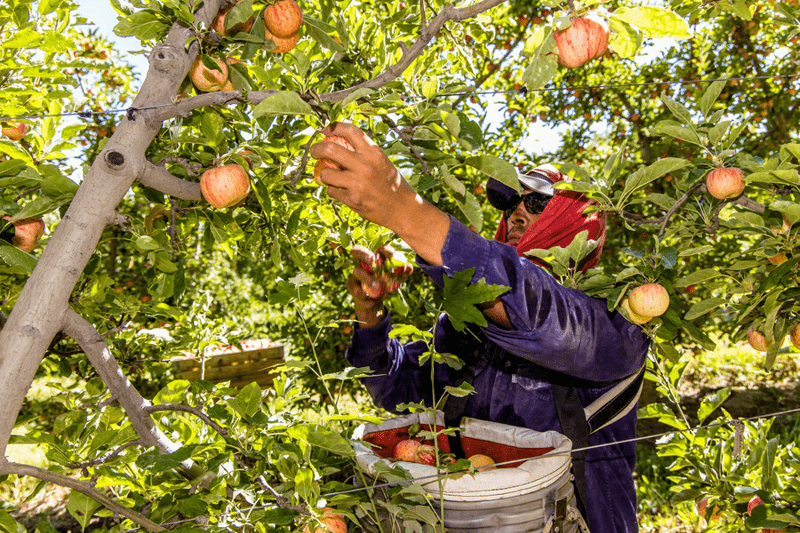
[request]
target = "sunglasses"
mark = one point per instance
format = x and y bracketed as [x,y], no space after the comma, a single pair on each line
[534,203]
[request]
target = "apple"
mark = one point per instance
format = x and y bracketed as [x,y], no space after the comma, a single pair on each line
[584,40]
[426,455]
[224,186]
[15,132]
[283,18]
[206,79]
[755,502]
[757,340]
[778,258]
[27,232]
[724,183]
[481,462]
[650,299]
[701,508]
[325,163]
[282,44]
[219,23]
[332,522]
[406,450]
[633,317]
[794,336]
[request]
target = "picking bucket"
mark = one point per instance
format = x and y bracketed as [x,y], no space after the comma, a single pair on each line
[530,492]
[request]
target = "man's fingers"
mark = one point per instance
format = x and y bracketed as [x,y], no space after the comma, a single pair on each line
[354,135]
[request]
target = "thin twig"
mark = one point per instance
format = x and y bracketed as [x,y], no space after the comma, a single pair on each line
[188,409]
[105,458]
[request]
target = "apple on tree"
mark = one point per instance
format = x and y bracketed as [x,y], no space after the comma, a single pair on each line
[15,132]
[757,340]
[584,40]
[794,336]
[725,183]
[631,316]
[283,19]
[207,79]
[325,163]
[27,232]
[241,27]
[701,509]
[752,504]
[650,299]
[224,186]
[331,522]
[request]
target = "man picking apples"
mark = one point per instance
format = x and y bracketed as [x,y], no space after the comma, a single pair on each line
[541,339]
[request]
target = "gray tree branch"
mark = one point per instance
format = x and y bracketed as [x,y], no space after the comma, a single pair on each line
[159,178]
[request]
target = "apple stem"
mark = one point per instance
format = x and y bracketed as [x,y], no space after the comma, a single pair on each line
[572,11]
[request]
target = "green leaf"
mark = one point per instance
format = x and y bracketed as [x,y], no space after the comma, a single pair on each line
[82,508]
[322,437]
[249,398]
[541,47]
[471,208]
[283,103]
[625,39]
[706,306]
[145,244]
[655,22]
[319,31]
[144,25]
[23,39]
[497,168]
[460,298]
[697,277]
[14,257]
[9,525]
[710,96]
[710,403]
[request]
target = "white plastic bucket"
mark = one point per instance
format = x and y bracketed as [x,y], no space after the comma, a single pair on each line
[532,494]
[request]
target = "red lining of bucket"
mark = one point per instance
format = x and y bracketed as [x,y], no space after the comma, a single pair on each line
[501,453]
[386,439]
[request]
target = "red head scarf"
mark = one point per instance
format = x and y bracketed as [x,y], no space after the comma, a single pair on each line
[559,223]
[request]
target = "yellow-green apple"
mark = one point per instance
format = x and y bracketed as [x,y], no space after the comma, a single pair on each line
[224,186]
[406,450]
[332,522]
[426,455]
[584,40]
[650,299]
[757,340]
[27,232]
[283,18]
[207,79]
[481,462]
[15,132]
[325,163]
[724,183]
[701,508]
[219,22]
[794,336]
[633,317]
[282,44]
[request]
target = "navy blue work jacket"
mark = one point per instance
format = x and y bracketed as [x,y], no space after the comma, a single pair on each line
[558,333]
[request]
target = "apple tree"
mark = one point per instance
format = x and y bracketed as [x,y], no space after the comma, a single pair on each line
[137,265]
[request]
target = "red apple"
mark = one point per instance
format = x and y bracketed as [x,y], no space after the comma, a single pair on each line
[701,509]
[332,522]
[15,132]
[206,79]
[219,23]
[650,299]
[406,450]
[323,163]
[758,341]
[794,336]
[27,232]
[755,502]
[283,18]
[224,186]
[584,40]
[778,258]
[724,183]
[282,44]
[426,455]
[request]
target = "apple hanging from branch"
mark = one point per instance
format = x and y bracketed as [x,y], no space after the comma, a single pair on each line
[650,299]
[27,232]
[283,18]
[584,40]
[208,79]
[241,27]
[757,340]
[15,132]
[224,186]
[725,183]
[325,163]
